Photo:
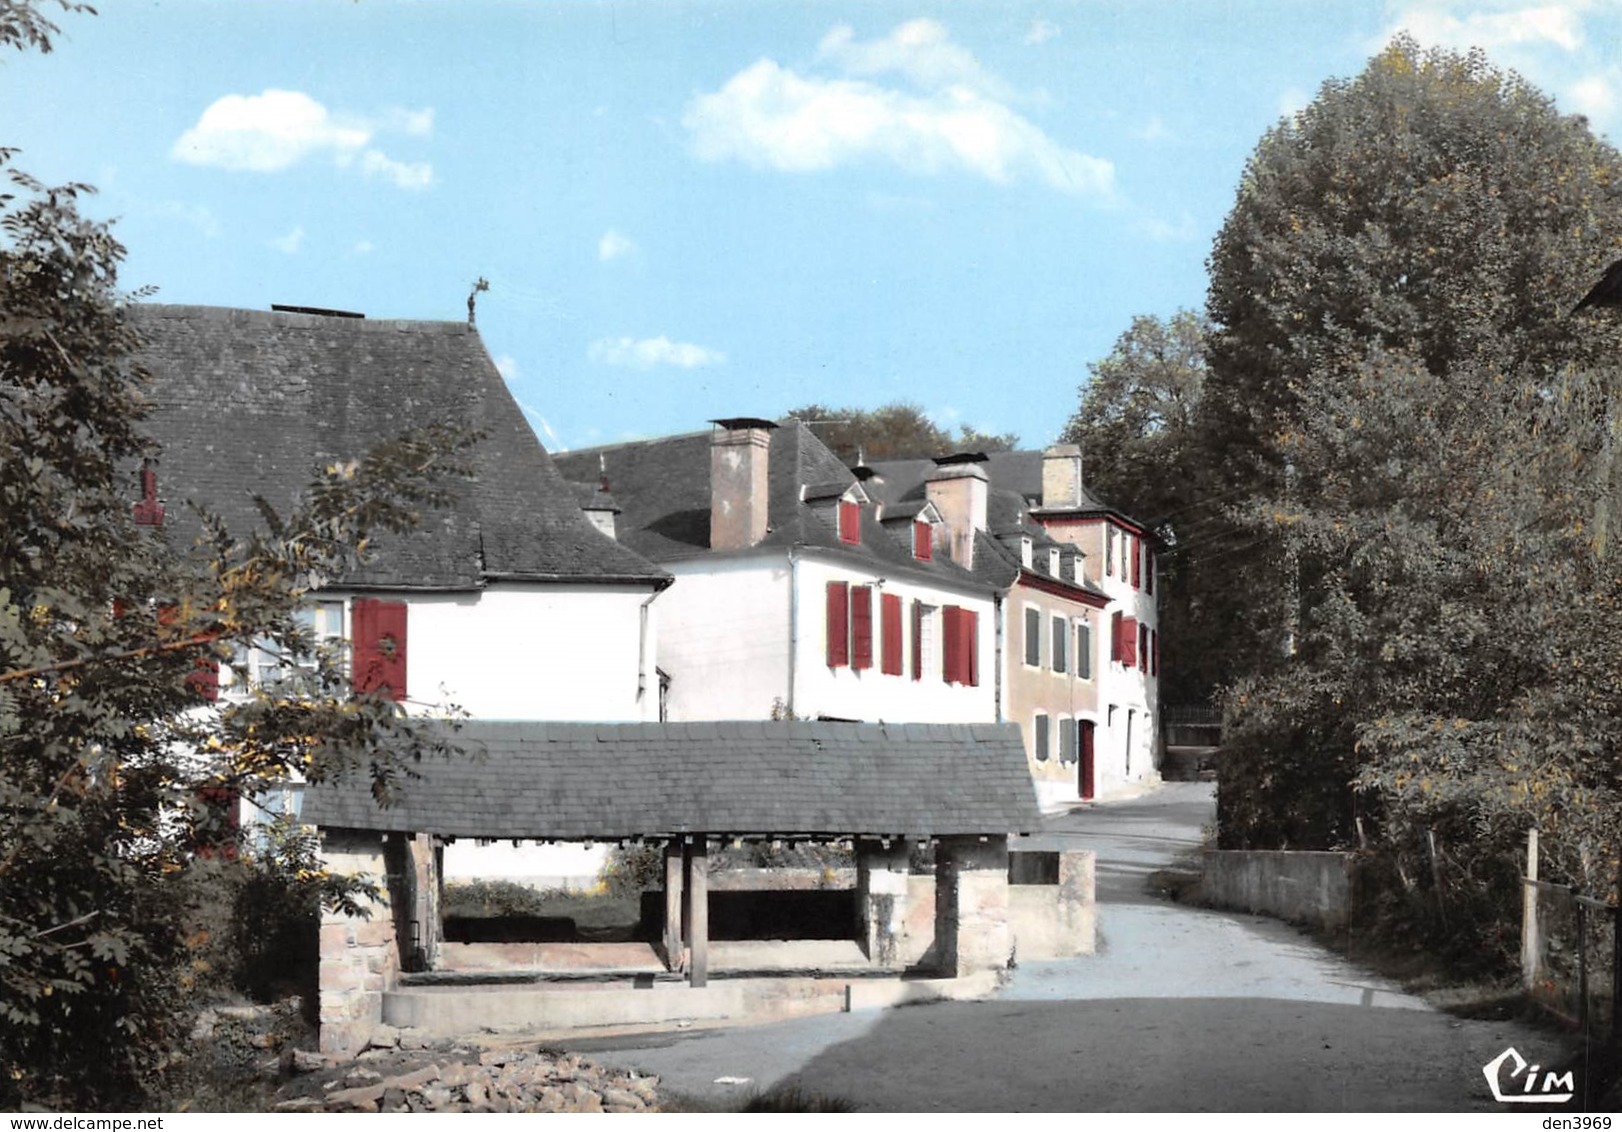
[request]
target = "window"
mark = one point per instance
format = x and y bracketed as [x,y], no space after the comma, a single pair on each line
[923,541]
[1053,561]
[850,521]
[1109,549]
[1137,561]
[1154,653]
[861,627]
[1129,642]
[1067,741]
[380,647]
[1084,650]
[960,651]
[1039,736]
[924,636]
[1025,551]
[274,665]
[1143,647]
[1033,636]
[1061,641]
[891,617]
[1115,636]
[1148,571]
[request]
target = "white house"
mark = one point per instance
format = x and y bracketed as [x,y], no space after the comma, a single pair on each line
[795,594]
[510,604]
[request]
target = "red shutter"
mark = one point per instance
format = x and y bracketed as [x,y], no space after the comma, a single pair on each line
[850,521]
[861,627]
[890,615]
[1129,642]
[204,678]
[838,624]
[1137,560]
[917,640]
[970,622]
[1143,647]
[923,541]
[1115,636]
[380,648]
[951,644]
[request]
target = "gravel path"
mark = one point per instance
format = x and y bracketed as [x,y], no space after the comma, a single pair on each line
[1182,1009]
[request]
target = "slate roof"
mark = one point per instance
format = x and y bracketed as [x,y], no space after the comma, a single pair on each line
[578,781]
[663,489]
[247,402]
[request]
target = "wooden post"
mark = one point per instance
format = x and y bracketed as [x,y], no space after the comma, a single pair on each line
[675,905]
[1531,945]
[696,858]
[1616,959]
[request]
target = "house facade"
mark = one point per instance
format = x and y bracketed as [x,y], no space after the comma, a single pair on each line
[1083,694]
[512,603]
[796,595]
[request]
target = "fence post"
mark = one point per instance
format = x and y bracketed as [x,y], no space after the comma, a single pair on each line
[1531,945]
[1582,964]
[1616,959]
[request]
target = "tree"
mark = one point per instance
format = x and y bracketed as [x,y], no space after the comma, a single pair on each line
[107,752]
[898,431]
[1413,443]
[1136,425]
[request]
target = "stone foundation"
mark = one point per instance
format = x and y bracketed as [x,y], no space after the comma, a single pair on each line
[359,954]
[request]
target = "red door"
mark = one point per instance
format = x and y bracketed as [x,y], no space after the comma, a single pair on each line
[1086,769]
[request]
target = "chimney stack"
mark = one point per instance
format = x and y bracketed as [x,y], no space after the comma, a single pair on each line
[1061,477]
[958,487]
[740,449]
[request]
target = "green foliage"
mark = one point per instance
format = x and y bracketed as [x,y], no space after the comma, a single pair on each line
[106,751]
[1141,453]
[1415,448]
[898,431]
[495,899]
[634,869]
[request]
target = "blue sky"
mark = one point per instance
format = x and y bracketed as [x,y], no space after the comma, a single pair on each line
[692,210]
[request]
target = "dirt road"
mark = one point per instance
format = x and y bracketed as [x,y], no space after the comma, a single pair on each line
[1182,1009]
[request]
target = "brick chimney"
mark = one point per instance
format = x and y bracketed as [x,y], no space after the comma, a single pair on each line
[1061,477]
[957,487]
[739,457]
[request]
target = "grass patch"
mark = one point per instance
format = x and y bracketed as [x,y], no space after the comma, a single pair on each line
[779,1098]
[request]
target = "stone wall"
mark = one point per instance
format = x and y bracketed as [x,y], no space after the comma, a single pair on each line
[971,905]
[359,954]
[1302,887]
[1051,905]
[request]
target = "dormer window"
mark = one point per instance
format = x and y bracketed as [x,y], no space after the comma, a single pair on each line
[850,521]
[923,541]
[1053,561]
[1026,550]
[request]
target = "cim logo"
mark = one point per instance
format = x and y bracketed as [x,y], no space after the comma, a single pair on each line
[1529,1092]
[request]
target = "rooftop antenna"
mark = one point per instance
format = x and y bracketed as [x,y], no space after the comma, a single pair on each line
[481,284]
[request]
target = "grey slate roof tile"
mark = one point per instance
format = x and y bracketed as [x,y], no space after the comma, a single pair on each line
[570,782]
[248,402]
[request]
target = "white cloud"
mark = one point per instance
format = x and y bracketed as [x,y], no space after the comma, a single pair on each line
[507,367]
[646,353]
[404,174]
[921,50]
[771,117]
[613,245]
[1041,31]
[290,243]
[1595,96]
[1460,25]
[278,129]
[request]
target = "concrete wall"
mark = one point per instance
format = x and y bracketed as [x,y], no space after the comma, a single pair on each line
[1303,887]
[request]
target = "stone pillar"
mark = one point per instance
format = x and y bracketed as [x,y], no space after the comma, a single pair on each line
[359,954]
[971,905]
[881,900]
[695,855]
[675,905]
[1077,911]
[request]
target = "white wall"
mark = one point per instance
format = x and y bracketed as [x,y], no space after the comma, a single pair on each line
[724,637]
[534,651]
[870,694]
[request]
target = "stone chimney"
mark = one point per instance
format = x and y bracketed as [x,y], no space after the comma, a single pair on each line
[1061,477]
[957,487]
[739,458]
